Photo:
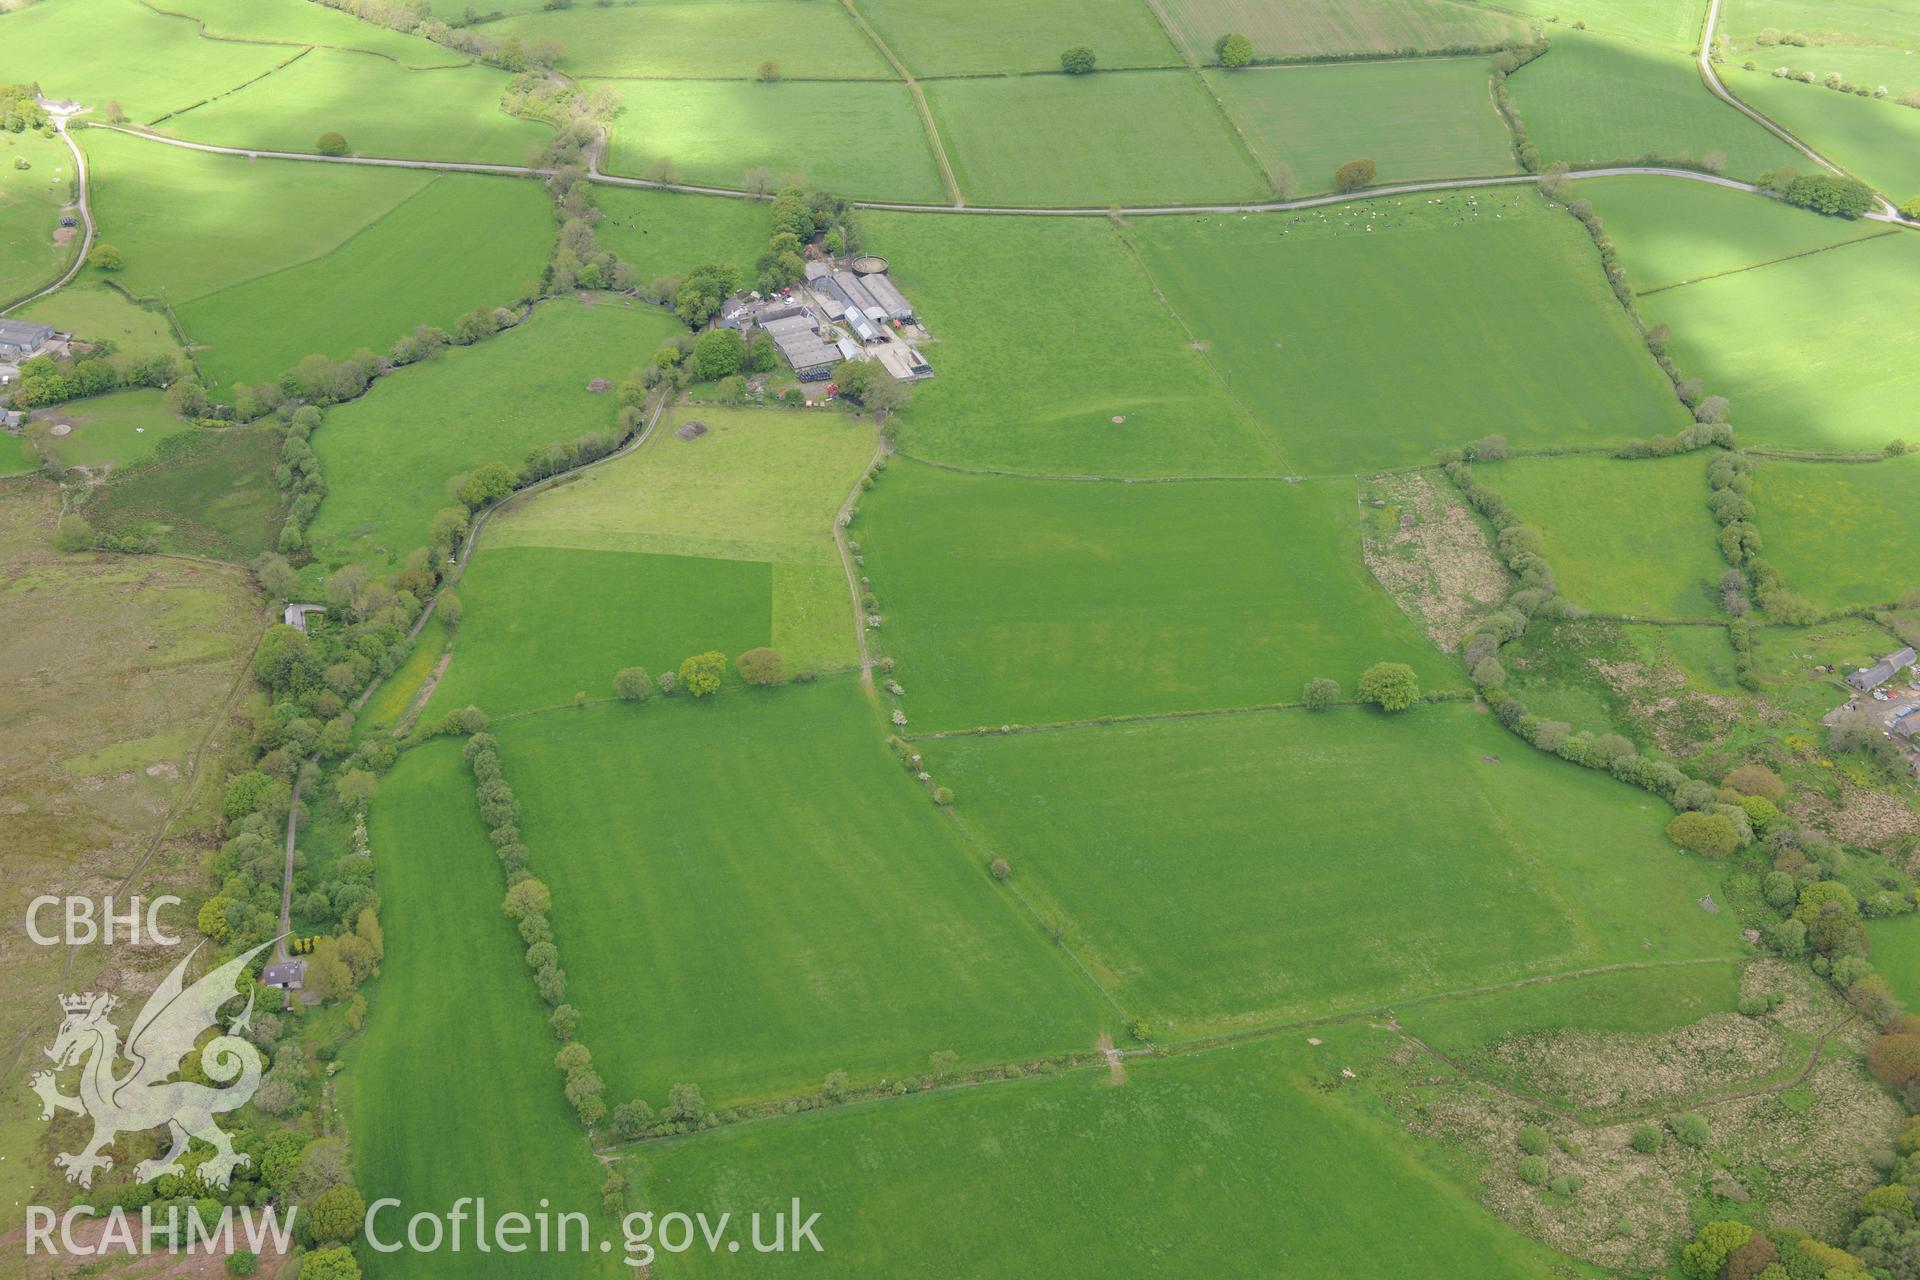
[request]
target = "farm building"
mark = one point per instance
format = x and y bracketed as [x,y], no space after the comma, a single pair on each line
[891,300]
[835,298]
[799,340]
[1868,678]
[18,339]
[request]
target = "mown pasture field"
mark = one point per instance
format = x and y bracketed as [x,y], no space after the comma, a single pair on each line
[1668,232]
[1630,537]
[381,108]
[702,39]
[303,22]
[1097,377]
[1424,118]
[757,485]
[1142,138]
[1330,28]
[388,457]
[1895,70]
[667,233]
[106,433]
[204,492]
[1658,22]
[16,459]
[462,242]
[1593,101]
[715,130]
[96,313]
[1174,1172]
[30,203]
[544,625]
[151,64]
[1878,141]
[1842,22]
[417,1133]
[1031,601]
[1377,333]
[1839,533]
[1896,953]
[999,37]
[724,918]
[1231,871]
[1847,383]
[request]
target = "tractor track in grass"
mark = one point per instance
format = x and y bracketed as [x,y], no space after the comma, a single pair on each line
[1034,211]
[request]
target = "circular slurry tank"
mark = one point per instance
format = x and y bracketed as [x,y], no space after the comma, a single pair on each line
[869,264]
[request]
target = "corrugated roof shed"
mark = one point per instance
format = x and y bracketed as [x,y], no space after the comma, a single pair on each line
[851,286]
[886,295]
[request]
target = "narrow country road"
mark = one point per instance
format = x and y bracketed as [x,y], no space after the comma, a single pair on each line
[1888,213]
[86,217]
[1082,211]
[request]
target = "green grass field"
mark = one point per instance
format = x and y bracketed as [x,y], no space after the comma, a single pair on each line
[992,37]
[107,433]
[301,22]
[16,458]
[1670,232]
[1149,137]
[1830,21]
[1837,532]
[1623,537]
[464,241]
[189,223]
[542,624]
[1896,953]
[1174,1172]
[1878,141]
[504,1132]
[1309,28]
[382,109]
[1032,601]
[1660,22]
[1896,70]
[206,493]
[750,893]
[714,131]
[151,64]
[30,204]
[704,39]
[1428,118]
[1593,101]
[759,485]
[1092,344]
[1243,869]
[665,233]
[388,457]
[1844,383]
[96,313]
[1369,335]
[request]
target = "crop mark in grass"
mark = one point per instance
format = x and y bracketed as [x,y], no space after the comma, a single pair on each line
[1770,262]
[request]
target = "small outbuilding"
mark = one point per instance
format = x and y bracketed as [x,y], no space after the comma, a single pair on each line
[296,615]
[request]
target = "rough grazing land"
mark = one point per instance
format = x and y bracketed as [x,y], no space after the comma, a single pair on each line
[114,678]
[1424,546]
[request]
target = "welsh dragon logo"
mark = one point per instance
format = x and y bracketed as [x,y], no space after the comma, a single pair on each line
[146,1096]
